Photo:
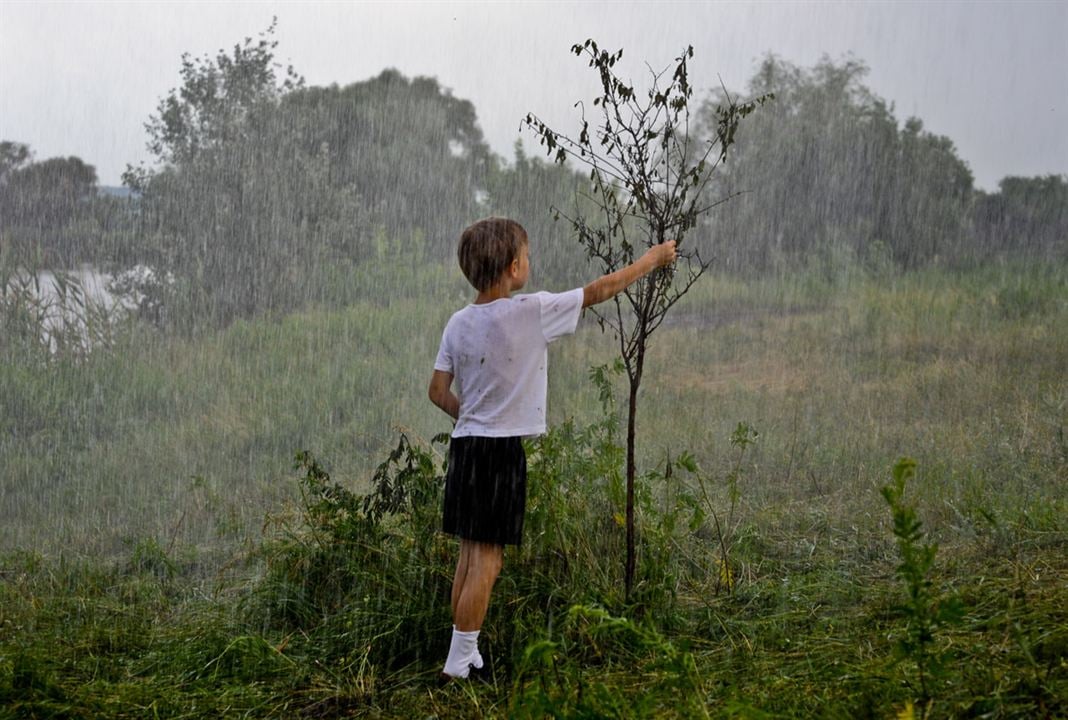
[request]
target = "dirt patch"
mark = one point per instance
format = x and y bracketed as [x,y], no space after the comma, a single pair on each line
[773,375]
[729,316]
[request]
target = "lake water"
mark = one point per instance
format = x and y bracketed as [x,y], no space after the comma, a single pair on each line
[92,281]
[94,292]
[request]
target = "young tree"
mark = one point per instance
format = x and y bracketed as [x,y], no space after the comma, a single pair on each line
[648,176]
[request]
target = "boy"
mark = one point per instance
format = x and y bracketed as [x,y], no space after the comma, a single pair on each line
[496,350]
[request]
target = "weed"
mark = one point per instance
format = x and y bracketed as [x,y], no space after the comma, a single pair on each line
[924,609]
[602,666]
[363,575]
[725,528]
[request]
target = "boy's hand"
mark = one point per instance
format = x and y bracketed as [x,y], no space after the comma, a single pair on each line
[662,254]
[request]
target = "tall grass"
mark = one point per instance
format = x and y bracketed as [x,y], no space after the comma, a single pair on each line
[184,439]
[160,553]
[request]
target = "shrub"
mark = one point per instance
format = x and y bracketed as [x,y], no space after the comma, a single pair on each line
[367,578]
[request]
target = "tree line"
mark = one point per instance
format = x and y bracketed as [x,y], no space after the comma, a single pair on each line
[827,168]
[264,191]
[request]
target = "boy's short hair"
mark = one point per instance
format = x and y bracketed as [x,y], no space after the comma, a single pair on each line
[487,249]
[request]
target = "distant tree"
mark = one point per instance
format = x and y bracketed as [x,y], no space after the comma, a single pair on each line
[47,209]
[793,168]
[647,176]
[406,152]
[216,105]
[205,209]
[48,194]
[13,155]
[931,192]
[528,189]
[828,167]
[1027,217]
[265,188]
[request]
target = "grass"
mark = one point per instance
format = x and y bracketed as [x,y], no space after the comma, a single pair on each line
[149,508]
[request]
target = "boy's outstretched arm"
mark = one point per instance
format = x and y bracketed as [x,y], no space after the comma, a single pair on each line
[441,394]
[608,286]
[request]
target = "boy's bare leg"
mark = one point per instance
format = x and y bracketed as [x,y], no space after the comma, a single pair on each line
[461,574]
[484,562]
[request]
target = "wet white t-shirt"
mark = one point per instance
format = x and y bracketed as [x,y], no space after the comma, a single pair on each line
[497,353]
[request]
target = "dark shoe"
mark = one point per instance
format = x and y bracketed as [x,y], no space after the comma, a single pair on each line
[483,674]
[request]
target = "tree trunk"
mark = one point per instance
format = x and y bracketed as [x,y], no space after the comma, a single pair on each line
[635,373]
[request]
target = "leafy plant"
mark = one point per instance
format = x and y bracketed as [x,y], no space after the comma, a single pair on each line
[648,177]
[570,675]
[741,438]
[361,574]
[924,609]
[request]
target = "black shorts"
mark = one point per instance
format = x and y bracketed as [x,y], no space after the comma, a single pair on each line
[486,489]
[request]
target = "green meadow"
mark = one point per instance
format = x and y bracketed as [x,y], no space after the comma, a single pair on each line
[164,554]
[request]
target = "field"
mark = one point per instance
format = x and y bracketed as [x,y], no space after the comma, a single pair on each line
[161,555]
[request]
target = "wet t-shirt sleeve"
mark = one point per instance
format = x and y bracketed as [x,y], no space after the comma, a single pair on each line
[559,313]
[443,361]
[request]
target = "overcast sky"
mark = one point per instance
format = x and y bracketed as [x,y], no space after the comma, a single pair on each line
[82,78]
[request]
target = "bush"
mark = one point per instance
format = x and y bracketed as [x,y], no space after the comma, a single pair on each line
[362,573]
[607,667]
[367,579]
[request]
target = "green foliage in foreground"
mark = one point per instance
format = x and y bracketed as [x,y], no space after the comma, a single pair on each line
[923,609]
[365,578]
[343,611]
[197,613]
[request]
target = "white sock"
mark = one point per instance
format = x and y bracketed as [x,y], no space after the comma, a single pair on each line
[476,660]
[462,650]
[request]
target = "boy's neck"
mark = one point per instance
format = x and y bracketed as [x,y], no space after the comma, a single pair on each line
[490,295]
[501,290]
